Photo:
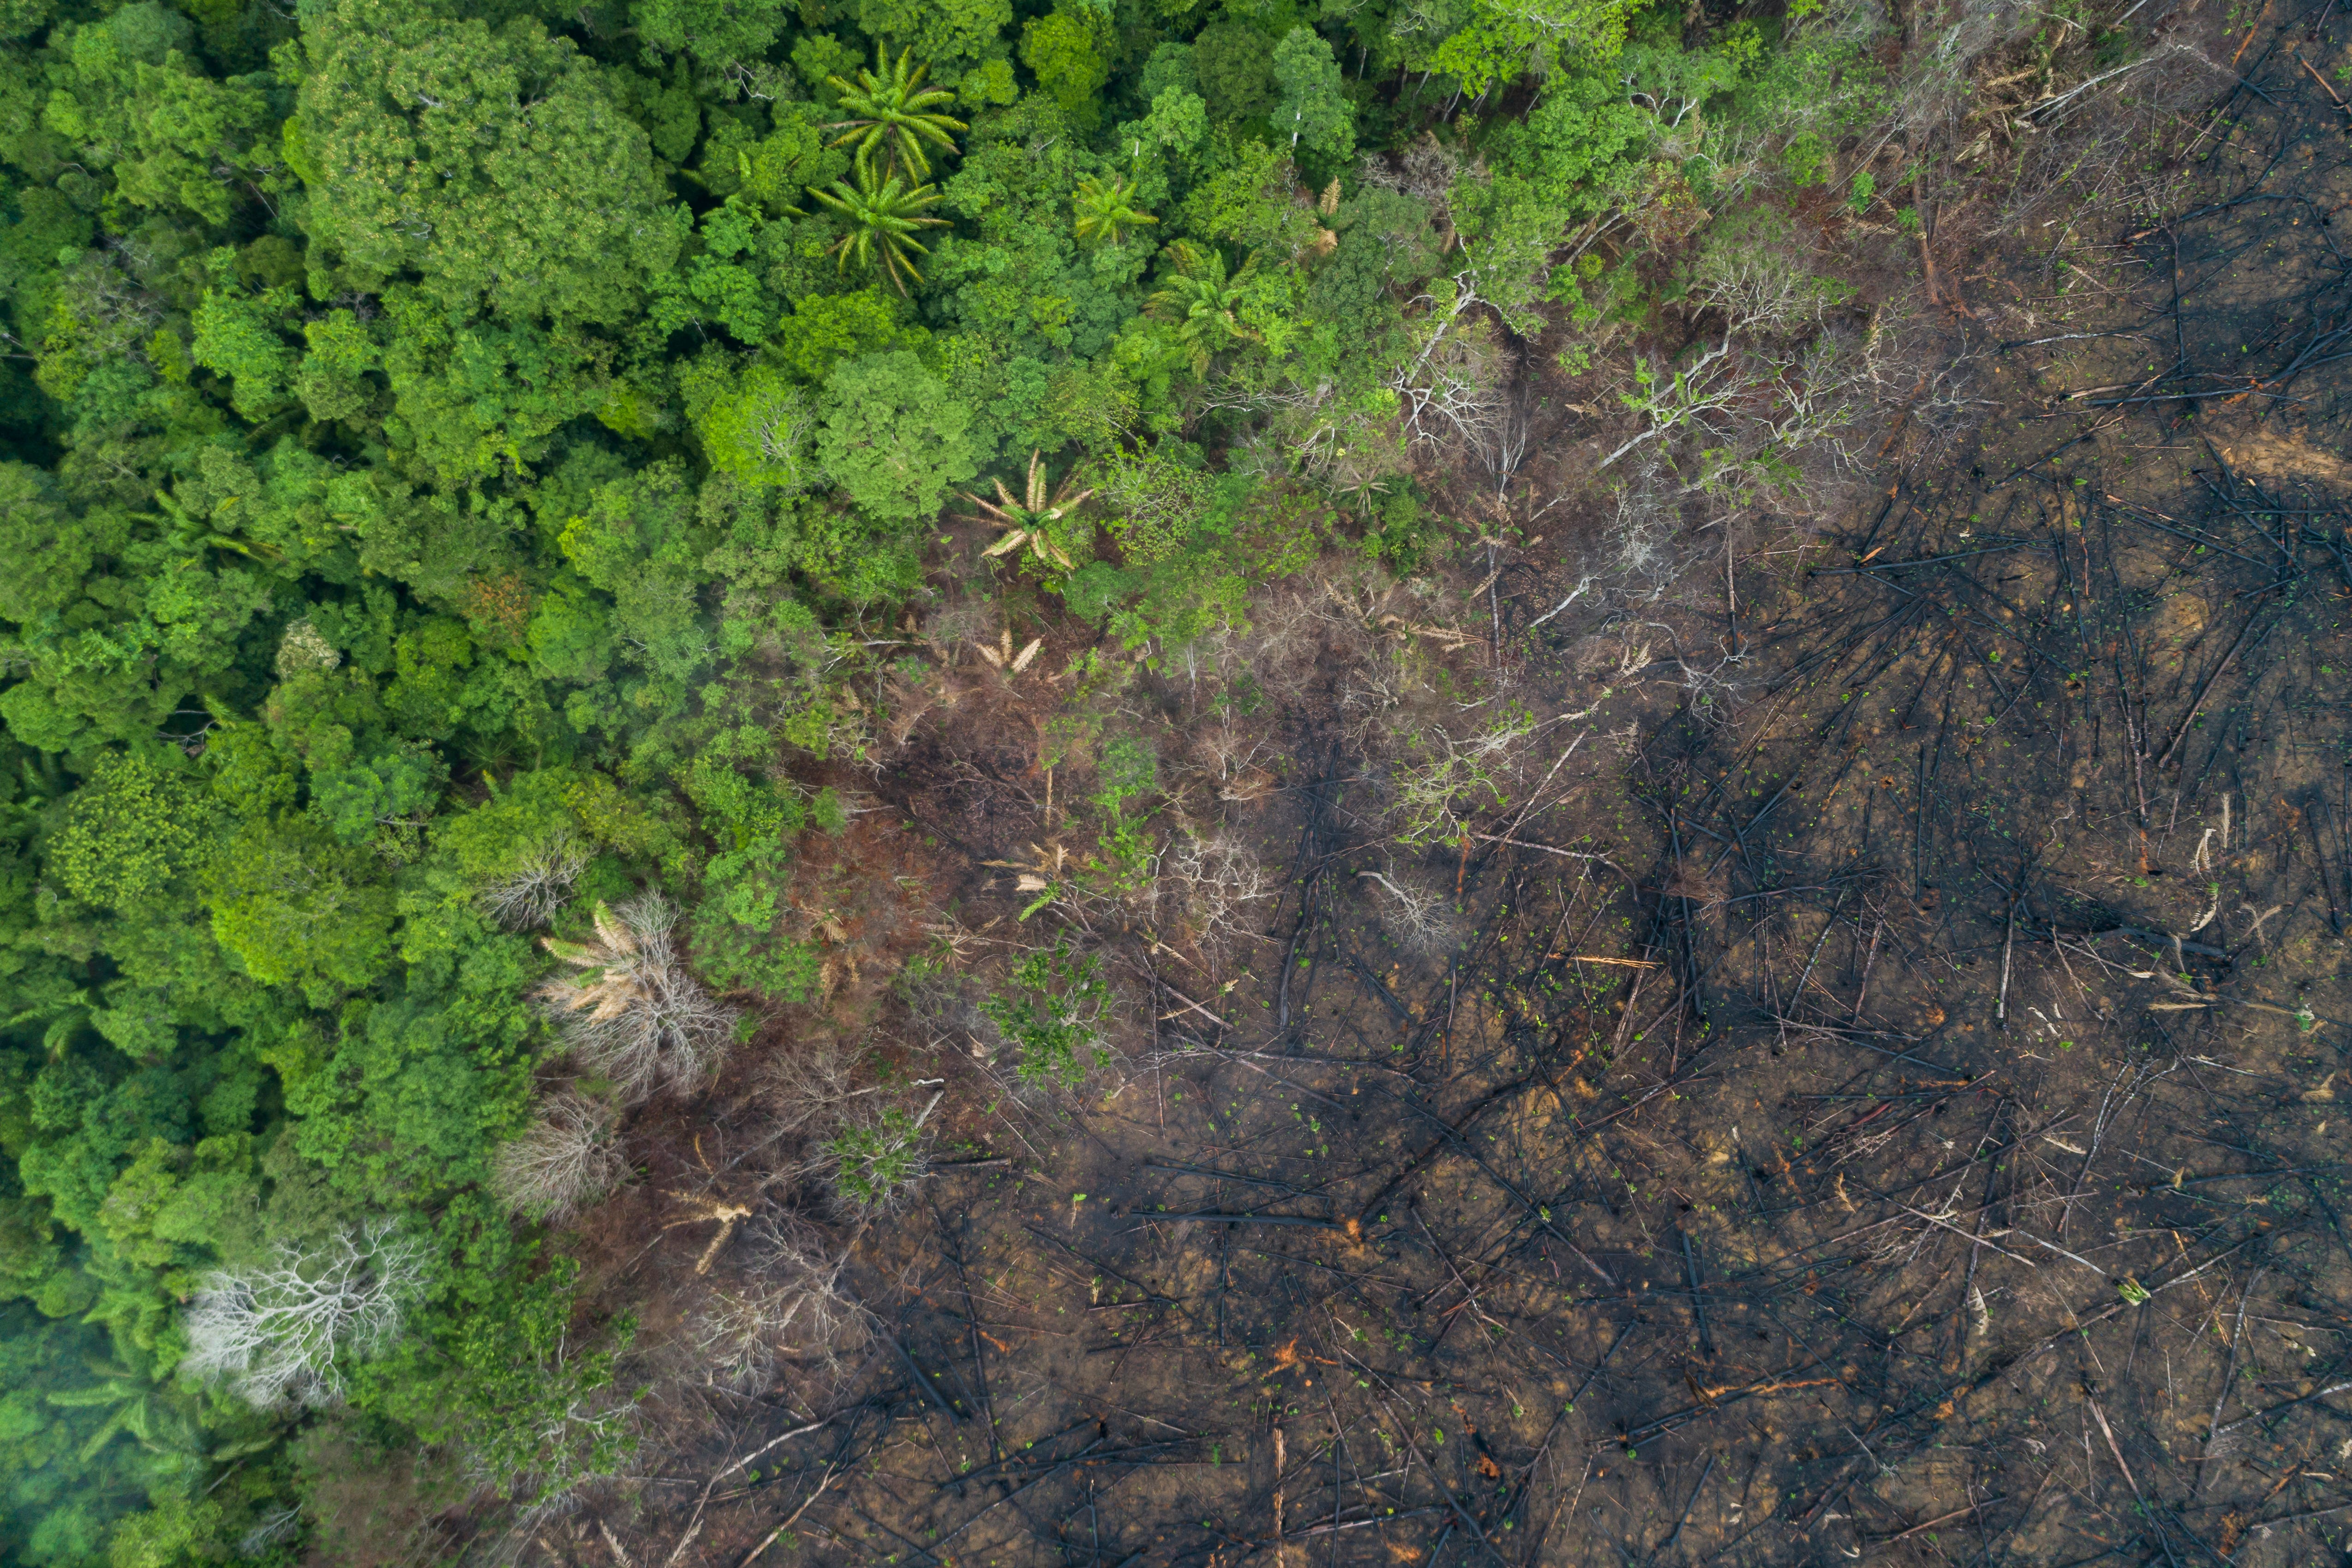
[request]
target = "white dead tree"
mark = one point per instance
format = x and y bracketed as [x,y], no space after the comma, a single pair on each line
[1448,389]
[283,1332]
[790,1302]
[634,1013]
[539,884]
[1216,877]
[1423,921]
[569,1157]
[814,1085]
[1447,393]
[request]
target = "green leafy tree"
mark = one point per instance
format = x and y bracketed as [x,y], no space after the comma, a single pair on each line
[762,428]
[716,33]
[512,1381]
[1236,71]
[332,381]
[1314,108]
[239,335]
[176,1208]
[1070,51]
[133,101]
[893,437]
[877,1157]
[300,910]
[133,828]
[938,31]
[775,169]
[825,329]
[1496,42]
[1050,1011]
[395,790]
[890,108]
[492,165]
[1200,298]
[885,213]
[1107,210]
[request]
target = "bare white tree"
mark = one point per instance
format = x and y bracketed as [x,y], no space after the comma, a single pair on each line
[1217,876]
[634,1013]
[790,1302]
[568,1158]
[813,1085]
[283,1332]
[539,884]
[1450,392]
[1422,921]
[273,1526]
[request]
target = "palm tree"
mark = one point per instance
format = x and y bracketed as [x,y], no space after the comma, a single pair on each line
[1200,296]
[886,216]
[1105,210]
[895,112]
[1027,518]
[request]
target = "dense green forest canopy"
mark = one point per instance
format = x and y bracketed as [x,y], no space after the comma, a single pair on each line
[453,459]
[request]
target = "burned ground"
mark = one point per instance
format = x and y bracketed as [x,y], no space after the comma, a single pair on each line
[1876,1099]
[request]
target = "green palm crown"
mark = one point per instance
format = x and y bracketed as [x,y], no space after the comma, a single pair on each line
[1200,296]
[891,108]
[884,212]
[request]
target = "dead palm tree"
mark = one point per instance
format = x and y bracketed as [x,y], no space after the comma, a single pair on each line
[634,1013]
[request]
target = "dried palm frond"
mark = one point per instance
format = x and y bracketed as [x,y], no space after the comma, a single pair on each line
[635,1013]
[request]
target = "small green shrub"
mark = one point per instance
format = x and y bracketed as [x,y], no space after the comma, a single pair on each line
[1805,160]
[875,1160]
[1049,1013]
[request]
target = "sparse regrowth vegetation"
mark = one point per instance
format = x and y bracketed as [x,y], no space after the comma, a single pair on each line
[1049,1011]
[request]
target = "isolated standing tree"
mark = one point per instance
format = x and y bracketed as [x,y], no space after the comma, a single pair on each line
[284,1332]
[1313,107]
